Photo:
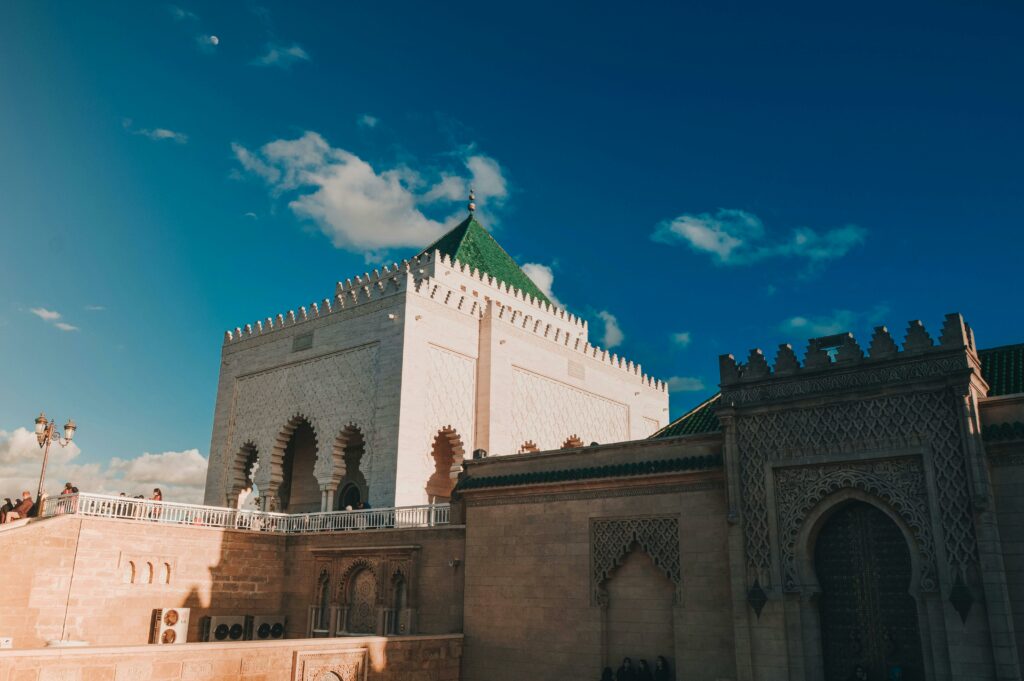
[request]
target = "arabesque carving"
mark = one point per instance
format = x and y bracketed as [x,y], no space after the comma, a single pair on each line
[611,540]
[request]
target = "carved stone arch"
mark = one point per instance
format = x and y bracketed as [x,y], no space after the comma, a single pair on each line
[447,453]
[273,476]
[348,456]
[818,517]
[350,571]
[896,486]
[240,473]
[612,539]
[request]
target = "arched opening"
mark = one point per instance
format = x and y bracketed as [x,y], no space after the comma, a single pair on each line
[639,614]
[299,491]
[362,602]
[399,603]
[167,573]
[243,490]
[868,617]
[149,573]
[324,601]
[348,453]
[572,442]
[447,454]
[129,572]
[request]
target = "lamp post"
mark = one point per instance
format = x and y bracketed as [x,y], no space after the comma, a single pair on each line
[46,432]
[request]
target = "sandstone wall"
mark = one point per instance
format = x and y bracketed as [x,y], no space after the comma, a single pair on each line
[1006,464]
[78,583]
[412,658]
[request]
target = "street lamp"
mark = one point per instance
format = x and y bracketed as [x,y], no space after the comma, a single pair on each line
[45,434]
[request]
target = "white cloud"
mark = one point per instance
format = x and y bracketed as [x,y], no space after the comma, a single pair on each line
[64,326]
[43,313]
[156,134]
[281,56]
[544,278]
[682,338]
[360,208]
[367,121]
[207,42]
[839,321]
[180,475]
[685,384]
[180,14]
[613,335]
[736,237]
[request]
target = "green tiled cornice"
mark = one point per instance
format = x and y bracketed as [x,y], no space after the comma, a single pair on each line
[472,245]
[622,470]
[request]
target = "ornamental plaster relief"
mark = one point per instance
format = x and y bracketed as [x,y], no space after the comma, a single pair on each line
[548,411]
[451,397]
[331,391]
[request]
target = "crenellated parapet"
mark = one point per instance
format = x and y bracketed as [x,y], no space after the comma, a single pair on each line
[441,293]
[523,299]
[576,342]
[828,358]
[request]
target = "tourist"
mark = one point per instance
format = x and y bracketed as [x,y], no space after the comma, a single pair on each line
[661,669]
[21,509]
[69,488]
[607,674]
[643,672]
[158,496]
[626,671]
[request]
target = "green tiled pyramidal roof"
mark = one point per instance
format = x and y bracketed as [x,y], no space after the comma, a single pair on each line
[701,419]
[1003,369]
[472,245]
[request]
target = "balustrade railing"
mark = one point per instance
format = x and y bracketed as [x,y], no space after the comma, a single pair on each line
[104,506]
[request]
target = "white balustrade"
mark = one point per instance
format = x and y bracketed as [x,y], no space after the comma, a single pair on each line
[127,508]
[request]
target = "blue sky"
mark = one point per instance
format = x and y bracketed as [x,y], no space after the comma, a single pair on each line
[700,177]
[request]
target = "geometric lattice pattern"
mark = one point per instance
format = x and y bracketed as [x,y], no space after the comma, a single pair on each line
[899,482]
[547,412]
[930,419]
[611,540]
[451,399]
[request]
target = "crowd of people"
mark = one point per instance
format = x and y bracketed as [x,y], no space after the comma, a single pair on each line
[641,672]
[26,507]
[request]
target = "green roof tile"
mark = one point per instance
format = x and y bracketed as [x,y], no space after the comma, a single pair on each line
[1003,369]
[701,419]
[472,245]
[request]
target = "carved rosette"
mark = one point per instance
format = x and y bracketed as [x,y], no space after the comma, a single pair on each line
[611,540]
[898,482]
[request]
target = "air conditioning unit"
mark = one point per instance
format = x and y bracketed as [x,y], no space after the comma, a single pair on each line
[224,628]
[170,626]
[267,627]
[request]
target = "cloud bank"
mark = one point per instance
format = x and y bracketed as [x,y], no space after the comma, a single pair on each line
[544,278]
[365,210]
[736,237]
[612,336]
[181,476]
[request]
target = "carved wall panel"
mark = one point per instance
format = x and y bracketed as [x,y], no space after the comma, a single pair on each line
[899,421]
[348,665]
[899,482]
[451,397]
[330,391]
[547,412]
[612,538]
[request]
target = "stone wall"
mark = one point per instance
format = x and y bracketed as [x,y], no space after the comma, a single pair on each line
[1006,466]
[412,658]
[532,600]
[89,578]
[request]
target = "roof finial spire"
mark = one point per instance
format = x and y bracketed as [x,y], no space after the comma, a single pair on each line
[472,201]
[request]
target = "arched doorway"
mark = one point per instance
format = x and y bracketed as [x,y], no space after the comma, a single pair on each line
[868,617]
[362,602]
[299,491]
[242,472]
[447,452]
[348,455]
[638,620]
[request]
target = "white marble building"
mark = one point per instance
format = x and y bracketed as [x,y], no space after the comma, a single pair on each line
[378,393]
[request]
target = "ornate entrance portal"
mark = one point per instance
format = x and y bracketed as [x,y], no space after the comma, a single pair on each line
[868,618]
